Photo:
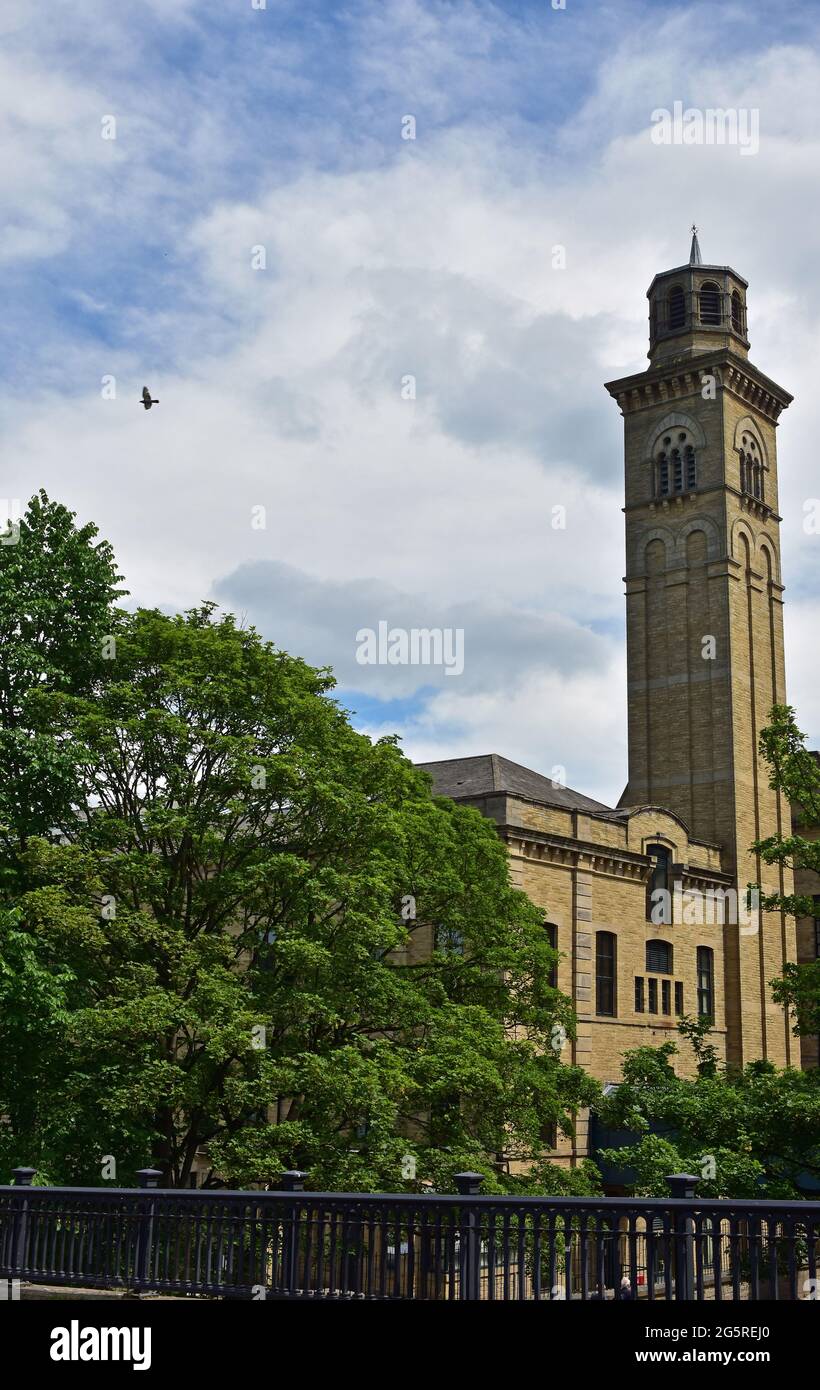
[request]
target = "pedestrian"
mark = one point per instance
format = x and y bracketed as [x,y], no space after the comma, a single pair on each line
[625,1290]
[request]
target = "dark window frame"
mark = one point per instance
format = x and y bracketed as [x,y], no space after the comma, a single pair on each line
[552,937]
[706,982]
[657,950]
[675,309]
[710,304]
[737,314]
[664,479]
[660,877]
[606,974]
[691,467]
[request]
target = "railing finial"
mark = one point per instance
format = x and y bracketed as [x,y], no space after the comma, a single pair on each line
[294,1180]
[682,1185]
[468,1184]
[149,1177]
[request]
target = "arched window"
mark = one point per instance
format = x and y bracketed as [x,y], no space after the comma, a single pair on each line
[659,887]
[605,976]
[676,308]
[710,306]
[706,982]
[751,467]
[737,312]
[676,467]
[663,475]
[690,467]
[659,957]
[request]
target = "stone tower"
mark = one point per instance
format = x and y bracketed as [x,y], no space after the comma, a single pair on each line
[704,607]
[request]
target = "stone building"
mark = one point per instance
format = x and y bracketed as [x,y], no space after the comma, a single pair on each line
[704,666]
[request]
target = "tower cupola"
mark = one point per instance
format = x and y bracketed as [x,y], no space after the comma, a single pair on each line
[696,308]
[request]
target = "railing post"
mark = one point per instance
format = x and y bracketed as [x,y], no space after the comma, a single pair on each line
[291,1181]
[682,1187]
[22,1178]
[469,1185]
[148,1180]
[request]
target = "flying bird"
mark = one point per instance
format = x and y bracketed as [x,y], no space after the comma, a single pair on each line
[147,399]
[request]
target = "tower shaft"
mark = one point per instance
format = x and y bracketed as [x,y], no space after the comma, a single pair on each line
[704,609]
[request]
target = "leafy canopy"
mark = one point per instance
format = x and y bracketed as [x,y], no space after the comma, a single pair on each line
[747,1134]
[796,772]
[218,954]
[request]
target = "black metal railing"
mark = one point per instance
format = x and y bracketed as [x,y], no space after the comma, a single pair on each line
[298,1244]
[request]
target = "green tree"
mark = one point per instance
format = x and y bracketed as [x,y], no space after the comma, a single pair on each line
[57,587]
[795,772]
[228,939]
[746,1134]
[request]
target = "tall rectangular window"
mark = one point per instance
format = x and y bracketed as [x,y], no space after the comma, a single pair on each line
[639,997]
[548,1134]
[706,982]
[678,997]
[552,937]
[691,467]
[605,966]
[658,889]
[666,997]
[653,996]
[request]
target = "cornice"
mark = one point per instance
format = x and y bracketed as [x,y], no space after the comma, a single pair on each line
[677,380]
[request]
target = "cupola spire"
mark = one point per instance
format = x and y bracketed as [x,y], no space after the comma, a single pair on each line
[695,258]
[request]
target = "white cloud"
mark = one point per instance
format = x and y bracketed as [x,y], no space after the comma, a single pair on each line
[432,258]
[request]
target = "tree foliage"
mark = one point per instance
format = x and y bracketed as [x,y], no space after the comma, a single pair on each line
[794,771]
[215,955]
[57,587]
[751,1133]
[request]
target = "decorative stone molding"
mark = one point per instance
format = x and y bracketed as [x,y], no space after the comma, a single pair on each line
[675,420]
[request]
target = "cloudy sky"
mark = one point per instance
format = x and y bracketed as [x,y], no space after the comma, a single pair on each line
[261,245]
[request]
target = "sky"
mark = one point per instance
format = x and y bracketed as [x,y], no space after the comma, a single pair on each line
[377,380]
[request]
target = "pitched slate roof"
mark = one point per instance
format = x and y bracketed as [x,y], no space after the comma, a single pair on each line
[489,772]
